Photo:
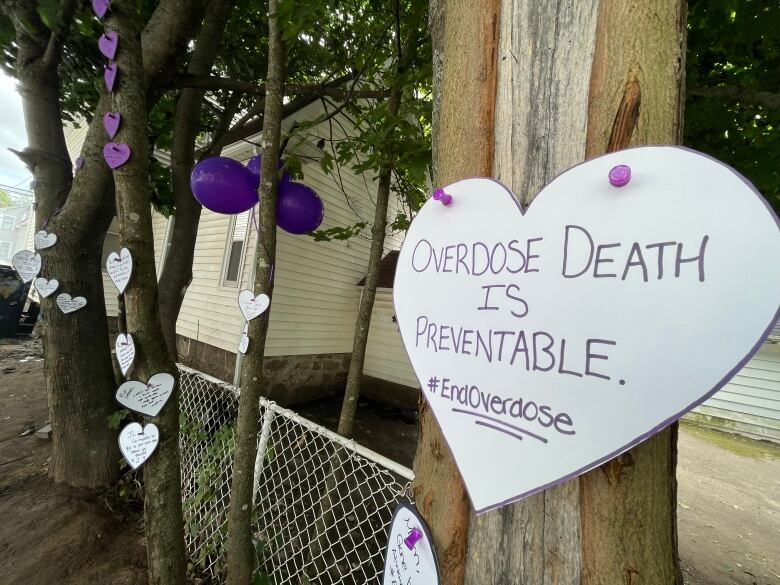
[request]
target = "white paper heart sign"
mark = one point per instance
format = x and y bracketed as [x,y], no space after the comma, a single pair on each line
[44,239]
[27,264]
[146,398]
[137,443]
[125,351]
[45,287]
[409,556]
[68,304]
[243,344]
[251,306]
[120,268]
[550,342]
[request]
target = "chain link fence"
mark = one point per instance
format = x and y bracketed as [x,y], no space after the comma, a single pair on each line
[323,504]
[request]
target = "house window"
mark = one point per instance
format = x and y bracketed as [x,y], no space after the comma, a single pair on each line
[7,222]
[235,248]
[5,250]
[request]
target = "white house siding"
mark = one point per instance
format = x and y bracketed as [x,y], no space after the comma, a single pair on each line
[386,357]
[750,403]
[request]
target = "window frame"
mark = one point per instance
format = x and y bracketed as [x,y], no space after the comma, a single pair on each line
[223,282]
[10,249]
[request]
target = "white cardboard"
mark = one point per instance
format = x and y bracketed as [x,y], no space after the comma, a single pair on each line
[639,351]
[68,304]
[124,347]
[137,443]
[252,306]
[403,566]
[45,287]
[243,344]
[27,264]
[120,268]
[44,239]
[146,398]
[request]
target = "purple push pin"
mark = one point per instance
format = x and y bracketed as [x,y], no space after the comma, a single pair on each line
[620,175]
[415,535]
[440,195]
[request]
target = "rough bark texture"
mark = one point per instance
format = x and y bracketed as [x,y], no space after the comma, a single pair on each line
[540,131]
[241,553]
[628,505]
[463,134]
[162,481]
[177,270]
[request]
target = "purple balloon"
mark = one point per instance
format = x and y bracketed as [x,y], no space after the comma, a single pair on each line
[224,185]
[299,209]
[254,166]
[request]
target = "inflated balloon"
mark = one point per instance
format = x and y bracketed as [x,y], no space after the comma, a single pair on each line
[299,209]
[224,185]
[254,166]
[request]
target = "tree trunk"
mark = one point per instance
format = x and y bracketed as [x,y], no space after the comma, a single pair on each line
[629,524]
[177,270]
[241,553]
[162,481]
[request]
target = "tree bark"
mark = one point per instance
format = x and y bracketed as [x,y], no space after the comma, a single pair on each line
[628,505]
[177,269]
[241,553]
[162,480]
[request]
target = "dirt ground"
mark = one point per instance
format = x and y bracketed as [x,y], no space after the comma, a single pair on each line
[728,514]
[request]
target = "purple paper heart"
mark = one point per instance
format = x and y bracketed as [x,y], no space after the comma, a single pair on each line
[116,154]
[107,43]
[79,162]
[100,7]
[111,123]
[109,75]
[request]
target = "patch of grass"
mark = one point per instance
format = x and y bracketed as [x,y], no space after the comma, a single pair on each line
[734,443]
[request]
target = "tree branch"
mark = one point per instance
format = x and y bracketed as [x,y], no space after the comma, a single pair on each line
[53,53]
[744,95]
[209,82]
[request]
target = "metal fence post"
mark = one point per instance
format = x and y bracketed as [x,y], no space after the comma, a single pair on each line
[262,447]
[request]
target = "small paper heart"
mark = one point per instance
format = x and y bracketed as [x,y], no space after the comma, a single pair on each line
[68,304]
[125,351]
[45,287]
[27,264]
[243,345]
[44,239]
[146,398]
[120,268]
[107,43]
[79,162]
[109,75]
[251,306]
[116,154]
[111,122]
[137,443]
[100,7]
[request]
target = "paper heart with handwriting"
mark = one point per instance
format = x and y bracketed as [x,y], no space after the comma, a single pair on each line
[111,121]
[146,398]
[44,239]
[46,287]
[252,306]
[107,43]
[137,443]
[27,264]
[549,342]
[243,344]
[410,558]
[124,346]
[68,304]
[116,154]
[120,268]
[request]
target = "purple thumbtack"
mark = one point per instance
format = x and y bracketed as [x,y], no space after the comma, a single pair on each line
[620,175]
[440,195]
[415,535]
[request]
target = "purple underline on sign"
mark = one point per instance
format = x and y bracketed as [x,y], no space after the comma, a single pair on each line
[499,429]
[499,421]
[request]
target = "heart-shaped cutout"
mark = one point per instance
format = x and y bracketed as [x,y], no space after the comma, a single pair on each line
[116,154]
[243,344]
[409,556]
[107,43]
[111,121]
[27,264]
[44,239]
[109,75]
[146,398]
[79,162]
[100,7]
[252,306]
[68,304]
[137,443]
[120,268]
[125,351]
[46,287]
[550,342]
